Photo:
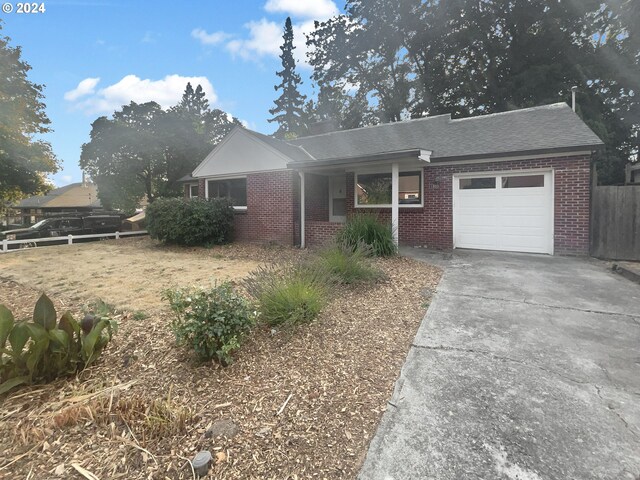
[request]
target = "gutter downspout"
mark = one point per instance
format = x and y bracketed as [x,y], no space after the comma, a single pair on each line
[302,210]
[395,201]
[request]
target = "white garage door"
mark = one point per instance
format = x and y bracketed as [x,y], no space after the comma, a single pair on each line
[512,212]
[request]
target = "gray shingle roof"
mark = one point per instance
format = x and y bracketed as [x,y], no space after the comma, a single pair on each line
[294,152]
[544,128]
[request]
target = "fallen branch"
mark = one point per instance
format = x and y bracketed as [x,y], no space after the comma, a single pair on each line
[284,404]
[85,473]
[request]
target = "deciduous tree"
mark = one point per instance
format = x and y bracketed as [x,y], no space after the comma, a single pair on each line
[25,158]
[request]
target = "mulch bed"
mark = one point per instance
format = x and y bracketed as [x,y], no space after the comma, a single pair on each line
[301,403]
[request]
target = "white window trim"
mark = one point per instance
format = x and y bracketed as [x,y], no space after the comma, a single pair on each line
[238,208]
[336,218]
[191,185]
[401,205]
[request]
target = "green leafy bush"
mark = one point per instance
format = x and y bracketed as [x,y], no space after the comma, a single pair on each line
[195,221]
[213,322]
[348,265]
[291,295]
[42,350]
[368,230]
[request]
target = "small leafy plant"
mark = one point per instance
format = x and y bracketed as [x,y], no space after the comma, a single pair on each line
[349,265]
[213,322]
[290,295]
[368,230]
[47,348]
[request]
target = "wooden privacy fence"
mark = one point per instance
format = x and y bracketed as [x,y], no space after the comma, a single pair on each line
[615,222]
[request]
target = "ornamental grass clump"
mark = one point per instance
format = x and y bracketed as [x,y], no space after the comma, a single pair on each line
[213,322]
[47,348]
[368,230]
[291,295]
[348,265]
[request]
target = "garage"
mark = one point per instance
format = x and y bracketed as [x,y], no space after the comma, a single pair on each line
[509,211]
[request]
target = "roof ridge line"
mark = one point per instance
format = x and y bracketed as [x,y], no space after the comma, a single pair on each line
[387,124]
[519,110]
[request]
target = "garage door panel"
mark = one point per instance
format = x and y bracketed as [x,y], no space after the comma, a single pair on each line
[481,201]
[524,221]
[518,218]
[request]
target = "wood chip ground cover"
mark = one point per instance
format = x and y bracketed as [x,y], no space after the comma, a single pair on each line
[145,407]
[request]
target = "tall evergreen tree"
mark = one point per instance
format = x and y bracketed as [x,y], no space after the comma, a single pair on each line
[288,110]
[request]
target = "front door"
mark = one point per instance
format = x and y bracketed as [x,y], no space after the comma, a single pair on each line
[338,198]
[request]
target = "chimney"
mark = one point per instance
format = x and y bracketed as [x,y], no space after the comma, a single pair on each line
[323,126]
[574,89]
[84,179]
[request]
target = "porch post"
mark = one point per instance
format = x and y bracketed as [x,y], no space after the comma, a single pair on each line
[394,201]
[302,212]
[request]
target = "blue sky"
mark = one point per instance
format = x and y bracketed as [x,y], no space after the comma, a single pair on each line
[95,55]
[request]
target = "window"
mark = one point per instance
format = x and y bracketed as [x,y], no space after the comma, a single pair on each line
[233,188]
[523,181]
[375,189]
[477,183]
[193,190]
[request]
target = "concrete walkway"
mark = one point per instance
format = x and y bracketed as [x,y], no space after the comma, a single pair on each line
[526,367]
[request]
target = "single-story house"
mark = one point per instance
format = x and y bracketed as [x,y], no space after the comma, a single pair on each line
[513,181]
[81,197]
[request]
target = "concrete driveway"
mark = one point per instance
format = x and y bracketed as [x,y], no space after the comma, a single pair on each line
[526,367]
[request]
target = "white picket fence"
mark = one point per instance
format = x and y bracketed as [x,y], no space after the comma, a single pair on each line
[68,238]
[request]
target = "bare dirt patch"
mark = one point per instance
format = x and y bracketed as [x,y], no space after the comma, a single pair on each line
[145,407]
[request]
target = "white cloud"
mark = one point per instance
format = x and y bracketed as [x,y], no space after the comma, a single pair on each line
[265,39]
[209,38]
[310,9]
[166,91]
[85,87]
[67,178]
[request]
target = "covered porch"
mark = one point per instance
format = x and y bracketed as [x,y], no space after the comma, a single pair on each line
[389,185]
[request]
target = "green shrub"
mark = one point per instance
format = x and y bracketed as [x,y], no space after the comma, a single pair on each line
[291,295]
[348,265]
[42,351]
[195,221]
[213,322]
[368,230]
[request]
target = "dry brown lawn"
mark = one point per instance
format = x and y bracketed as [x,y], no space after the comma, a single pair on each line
[144,408]
[129,274]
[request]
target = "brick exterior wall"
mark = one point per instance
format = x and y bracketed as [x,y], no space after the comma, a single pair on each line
[273,205]
[432,225]
[318,233]
[571,202]
[271,208]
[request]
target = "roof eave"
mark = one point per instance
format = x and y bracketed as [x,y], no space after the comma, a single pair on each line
[422,154]
[592,148]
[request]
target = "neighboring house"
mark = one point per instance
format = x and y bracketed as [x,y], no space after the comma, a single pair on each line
[73,198]
[515,181]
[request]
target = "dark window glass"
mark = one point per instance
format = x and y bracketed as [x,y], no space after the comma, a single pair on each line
[376,189]
[523,181]
[194,190]
[477,183]
[235,188]
[409,190]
